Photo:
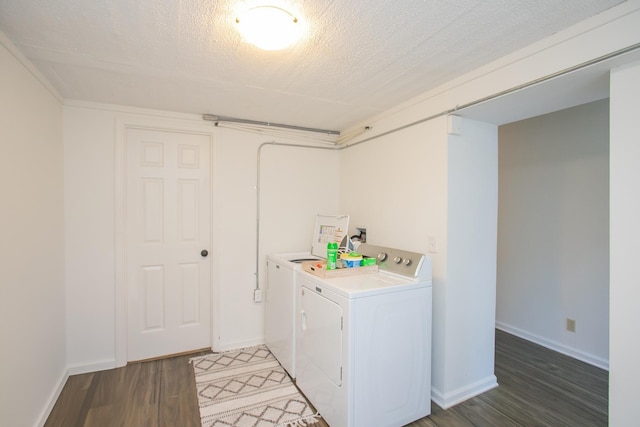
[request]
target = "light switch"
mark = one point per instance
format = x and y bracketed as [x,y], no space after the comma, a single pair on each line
[433,245]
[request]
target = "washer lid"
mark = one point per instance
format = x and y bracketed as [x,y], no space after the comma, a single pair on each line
[328,228]
[291,259]
[367,285]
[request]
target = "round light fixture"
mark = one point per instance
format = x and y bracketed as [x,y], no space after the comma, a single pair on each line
[269,27]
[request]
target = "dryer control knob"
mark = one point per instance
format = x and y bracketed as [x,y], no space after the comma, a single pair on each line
[407,262]
[382,256]
[397,260]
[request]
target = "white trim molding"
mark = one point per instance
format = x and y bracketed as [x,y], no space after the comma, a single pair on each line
[454,397]
[555,346]
[53,398]
[28,65]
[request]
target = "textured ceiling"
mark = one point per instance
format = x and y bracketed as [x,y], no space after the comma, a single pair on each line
[359,57]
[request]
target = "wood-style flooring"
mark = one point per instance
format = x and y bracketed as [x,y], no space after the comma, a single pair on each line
[537,387]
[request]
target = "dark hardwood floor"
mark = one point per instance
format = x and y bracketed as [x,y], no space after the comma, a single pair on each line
[538,387]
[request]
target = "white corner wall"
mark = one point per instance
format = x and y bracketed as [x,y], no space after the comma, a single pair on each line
[295,183]
[472,208]
[421,183]
[32,306]
[396,187]
[553,232]
[89,238]
[624,352]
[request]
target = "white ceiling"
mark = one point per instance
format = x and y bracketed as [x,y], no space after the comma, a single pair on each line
[360,57]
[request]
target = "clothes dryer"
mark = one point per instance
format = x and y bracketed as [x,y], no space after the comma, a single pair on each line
[364,341]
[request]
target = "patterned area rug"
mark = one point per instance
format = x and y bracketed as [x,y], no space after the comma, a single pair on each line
[248,388]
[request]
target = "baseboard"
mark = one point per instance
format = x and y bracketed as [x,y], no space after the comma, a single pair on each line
[447,400]
[92,367]
[53,398]
[555,346]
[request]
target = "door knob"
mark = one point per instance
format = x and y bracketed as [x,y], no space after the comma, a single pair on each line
[204,253]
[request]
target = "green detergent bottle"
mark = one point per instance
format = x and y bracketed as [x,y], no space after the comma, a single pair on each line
[332,255]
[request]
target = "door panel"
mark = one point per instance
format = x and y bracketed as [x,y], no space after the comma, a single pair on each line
[168,207]
[321,330]
[152,284]
[188,197]
[152,205]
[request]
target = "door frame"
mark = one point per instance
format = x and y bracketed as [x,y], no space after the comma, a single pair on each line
[162,124]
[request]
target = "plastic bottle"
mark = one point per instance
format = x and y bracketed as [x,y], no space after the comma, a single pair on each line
[332,255]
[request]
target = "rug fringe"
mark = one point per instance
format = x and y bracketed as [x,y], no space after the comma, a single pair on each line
[304,422]
[214,353]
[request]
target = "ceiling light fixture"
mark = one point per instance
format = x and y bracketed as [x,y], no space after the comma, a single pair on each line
[269,27]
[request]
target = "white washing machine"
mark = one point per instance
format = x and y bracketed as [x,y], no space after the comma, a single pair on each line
[364,342]
[280,300]
[280,312]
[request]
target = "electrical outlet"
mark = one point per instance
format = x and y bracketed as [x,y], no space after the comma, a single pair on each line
[571,325]
[361,233]
[257,295]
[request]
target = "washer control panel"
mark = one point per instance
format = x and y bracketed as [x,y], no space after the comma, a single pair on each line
[396,261]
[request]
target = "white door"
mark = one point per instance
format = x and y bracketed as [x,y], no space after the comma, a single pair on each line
[168,207]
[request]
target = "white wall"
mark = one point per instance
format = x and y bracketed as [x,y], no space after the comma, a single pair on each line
[89,237]
[296,184]
[553,233]
[396,187]
[293,190]
[624,352]
[420,183]
[32,306]
[469,322]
